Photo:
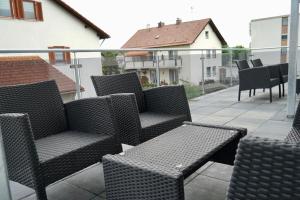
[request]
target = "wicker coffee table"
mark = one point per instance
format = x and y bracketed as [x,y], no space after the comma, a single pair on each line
[157,168]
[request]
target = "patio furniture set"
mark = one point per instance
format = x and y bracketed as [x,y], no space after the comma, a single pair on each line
[261,77]
[46,140]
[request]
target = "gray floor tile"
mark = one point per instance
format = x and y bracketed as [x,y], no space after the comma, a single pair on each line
[219,171]
[91,179]
[203,187]
[19,191]
[273,129]
[64,191]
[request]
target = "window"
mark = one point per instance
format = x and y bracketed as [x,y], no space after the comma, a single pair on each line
[283,51]
[206,35]
[172,55]
[214,53]
[153,76]
[208,54]
[5,8]
[285,21]
[214,71]
[59,57]
[208,71]
[21,9]
[29,11]
[173,75]
[284,37]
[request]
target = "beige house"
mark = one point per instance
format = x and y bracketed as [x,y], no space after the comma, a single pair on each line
[47,24]
[176,66]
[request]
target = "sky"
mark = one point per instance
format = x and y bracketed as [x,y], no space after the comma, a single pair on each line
[122,18]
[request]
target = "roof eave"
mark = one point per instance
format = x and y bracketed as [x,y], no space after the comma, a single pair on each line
[100,33]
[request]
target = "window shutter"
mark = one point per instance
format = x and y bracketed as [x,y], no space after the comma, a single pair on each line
[67,56]
[52,58]
[38,11]
[18,10]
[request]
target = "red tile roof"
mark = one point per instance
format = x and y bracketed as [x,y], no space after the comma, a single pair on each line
[31,69]
[171,35]
[100,33]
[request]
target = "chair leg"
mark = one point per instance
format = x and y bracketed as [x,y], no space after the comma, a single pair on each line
[239,98]
[249,93]
[279,86]
[254,92]
[270,95]
[264,90]
[283,89]
[41,193]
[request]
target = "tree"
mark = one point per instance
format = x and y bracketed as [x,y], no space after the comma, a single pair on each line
[109,63]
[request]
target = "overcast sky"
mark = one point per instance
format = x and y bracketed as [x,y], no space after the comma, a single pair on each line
[122,18]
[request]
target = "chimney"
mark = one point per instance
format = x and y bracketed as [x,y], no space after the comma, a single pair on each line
[178,21]
[160,24]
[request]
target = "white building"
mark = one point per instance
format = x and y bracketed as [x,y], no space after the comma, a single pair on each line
[270,32]
[184,66]
[46,24]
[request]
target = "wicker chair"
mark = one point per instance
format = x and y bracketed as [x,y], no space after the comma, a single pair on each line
[258,78]
[143,115]
[257,63]
[267,169]
[283,72]
[46,140]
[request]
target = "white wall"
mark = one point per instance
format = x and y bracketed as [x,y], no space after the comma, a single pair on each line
[201,42]
[266,33]
[59,28]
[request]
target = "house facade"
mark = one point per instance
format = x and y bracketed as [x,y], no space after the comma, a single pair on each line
[48,24]
[176,66]
[267,33]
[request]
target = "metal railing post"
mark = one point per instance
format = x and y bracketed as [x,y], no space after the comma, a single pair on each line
[157,70]
[76,66]
[293,47]
[231,62]
[202,63]
[5,193]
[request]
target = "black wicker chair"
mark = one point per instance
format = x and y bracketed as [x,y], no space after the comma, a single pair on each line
[143,115]
[283,72]
[258,78]
[257,63]
[267,169]
[46,140]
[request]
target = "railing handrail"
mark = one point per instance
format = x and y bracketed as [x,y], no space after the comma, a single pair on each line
[7,51]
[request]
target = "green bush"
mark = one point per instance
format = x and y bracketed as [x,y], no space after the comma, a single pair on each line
[192,91]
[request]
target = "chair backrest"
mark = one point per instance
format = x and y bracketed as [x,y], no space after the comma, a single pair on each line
[257,63]
[242,64]
[41,101]
[120,83]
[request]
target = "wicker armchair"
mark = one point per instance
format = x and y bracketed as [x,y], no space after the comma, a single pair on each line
[46,140]
[143,115]
[283,71]
[258,78]
[267,169]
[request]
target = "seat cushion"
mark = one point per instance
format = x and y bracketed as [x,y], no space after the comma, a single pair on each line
[67,152]
[284,78]
[274,82]
[155,124]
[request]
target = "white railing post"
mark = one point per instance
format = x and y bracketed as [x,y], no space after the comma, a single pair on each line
[231,62]
[293,48]
[76,66]
[157,69]
[202,58]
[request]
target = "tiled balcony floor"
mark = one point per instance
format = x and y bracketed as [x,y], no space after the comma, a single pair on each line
[211,181]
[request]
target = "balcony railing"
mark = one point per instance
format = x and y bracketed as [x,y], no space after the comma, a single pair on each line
[200,70]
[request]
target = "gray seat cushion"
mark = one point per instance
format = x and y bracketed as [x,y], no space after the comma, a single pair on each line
[154,124]
[71,149]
